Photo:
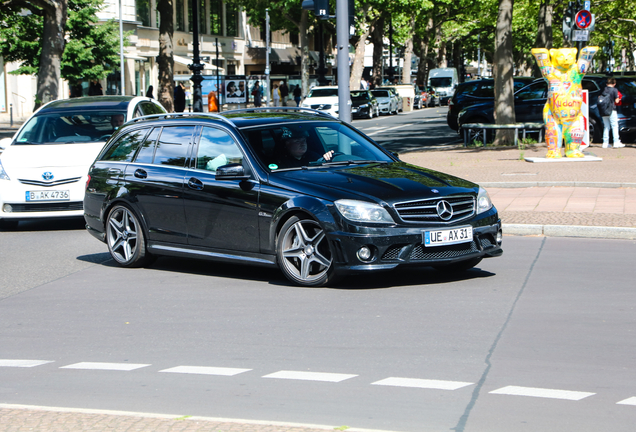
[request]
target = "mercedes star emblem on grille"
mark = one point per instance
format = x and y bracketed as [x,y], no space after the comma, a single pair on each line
[444,210]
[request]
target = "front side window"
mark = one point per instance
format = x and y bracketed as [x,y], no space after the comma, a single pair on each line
[147,149]
[124,149]
[533,91]
[217,148]
[172,145]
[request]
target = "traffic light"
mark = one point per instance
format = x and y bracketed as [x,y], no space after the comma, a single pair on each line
[568,21]
[320,7]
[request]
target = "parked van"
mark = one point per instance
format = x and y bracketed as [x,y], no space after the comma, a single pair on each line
[444,81]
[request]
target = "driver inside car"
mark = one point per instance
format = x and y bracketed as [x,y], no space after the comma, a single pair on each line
[296,154]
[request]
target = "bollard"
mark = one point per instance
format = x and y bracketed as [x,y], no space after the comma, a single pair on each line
[11,115]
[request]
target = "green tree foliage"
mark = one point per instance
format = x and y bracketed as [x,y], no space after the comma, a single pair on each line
[91,51]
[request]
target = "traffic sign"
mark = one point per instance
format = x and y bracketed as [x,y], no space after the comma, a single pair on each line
[580,35]
[587,5]
[583,19]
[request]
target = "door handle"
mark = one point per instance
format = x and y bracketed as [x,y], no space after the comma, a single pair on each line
[114,171]
[139,173]
[195,183]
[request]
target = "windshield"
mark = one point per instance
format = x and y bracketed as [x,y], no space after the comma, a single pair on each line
[63,128]
[298,145]
[380,93]
[323,92]
[441,82]
[360,96]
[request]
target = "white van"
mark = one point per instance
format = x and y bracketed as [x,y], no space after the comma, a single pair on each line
[444,81]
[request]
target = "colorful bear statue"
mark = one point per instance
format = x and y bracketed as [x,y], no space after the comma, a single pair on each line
[562,112]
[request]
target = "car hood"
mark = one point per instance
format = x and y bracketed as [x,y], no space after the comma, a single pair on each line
[393,182]
[383,99]
[24,160]
[321,100]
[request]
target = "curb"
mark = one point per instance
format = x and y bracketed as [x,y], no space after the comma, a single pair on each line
[555,183]
[570,231]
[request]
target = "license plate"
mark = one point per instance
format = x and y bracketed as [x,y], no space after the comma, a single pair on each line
[49,195]
[448,237]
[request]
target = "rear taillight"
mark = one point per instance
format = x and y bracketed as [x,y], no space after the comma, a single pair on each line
[88,180]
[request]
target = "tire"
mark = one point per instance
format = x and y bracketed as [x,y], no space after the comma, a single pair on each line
[304,253]
[461,266]
[370,115]
[125,238]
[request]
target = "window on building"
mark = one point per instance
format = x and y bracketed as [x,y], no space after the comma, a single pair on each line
[216,17]
[232,19]
[143,12]
[179,18]
[201,15]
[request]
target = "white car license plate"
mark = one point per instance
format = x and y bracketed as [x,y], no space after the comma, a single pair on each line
[448,237]
[49,195]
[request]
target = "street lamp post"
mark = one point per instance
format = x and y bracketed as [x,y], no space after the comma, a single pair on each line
[121,48]
[342,35]
[196,67]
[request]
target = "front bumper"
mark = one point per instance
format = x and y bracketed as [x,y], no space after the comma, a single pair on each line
[15,206]
[404,246]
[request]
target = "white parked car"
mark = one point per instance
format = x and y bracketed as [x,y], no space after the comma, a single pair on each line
[44,170]
[387,101]
[324,98]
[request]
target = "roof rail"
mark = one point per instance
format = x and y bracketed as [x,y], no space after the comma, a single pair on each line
[183,114]
[280,109]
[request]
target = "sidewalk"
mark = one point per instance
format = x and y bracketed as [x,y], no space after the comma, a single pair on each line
[564,198]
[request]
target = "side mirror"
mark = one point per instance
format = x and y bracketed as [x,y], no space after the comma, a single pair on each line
[233,171]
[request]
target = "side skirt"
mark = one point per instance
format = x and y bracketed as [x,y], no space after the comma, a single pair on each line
[188,252]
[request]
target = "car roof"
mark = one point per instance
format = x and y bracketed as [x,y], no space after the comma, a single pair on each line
[241,118]
[90,103]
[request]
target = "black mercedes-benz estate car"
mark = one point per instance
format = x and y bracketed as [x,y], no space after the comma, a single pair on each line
[292,187]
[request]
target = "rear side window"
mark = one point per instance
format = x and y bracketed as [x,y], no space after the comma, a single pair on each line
[173,145]
[148,108]
[533,91]
[485,91]
[124,148]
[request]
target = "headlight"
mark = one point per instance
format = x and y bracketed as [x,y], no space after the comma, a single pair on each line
[361,211]
[483,201]
[364,106]
[3,174]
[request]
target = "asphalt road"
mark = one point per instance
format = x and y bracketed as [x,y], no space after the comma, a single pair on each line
[540,339]
[410,350]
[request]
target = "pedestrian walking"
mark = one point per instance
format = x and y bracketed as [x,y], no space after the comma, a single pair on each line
[179,98]
[284,92]
[276,95]
[607,106]
[297,95]
[256,92]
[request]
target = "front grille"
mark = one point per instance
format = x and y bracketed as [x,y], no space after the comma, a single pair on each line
[421,253]
[47,207]
[486,242]
[321,106]
[392,253]
[463,207]
[49,183]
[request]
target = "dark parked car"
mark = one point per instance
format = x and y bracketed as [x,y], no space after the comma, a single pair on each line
[529,103]
[363,104]
[251,187]
[627,109]
[475,92]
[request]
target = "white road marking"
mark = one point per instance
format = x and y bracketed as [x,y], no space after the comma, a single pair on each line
[628,401]
[422,383]
[23,363]
[105,366]
[388,129]
[542,393]
[310,376]
[204,370]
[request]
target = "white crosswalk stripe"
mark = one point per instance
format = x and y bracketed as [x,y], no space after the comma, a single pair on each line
[628,401]
[542,393]
[23,363]
[203,370]
[310,376]
[105,366]
[422,383]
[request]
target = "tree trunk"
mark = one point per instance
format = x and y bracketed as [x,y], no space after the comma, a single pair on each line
[378,50]
[408,55]
[424,45]
[165,95]
[544,32]
[53,43]
[358,61]
[304,47]
[503,64]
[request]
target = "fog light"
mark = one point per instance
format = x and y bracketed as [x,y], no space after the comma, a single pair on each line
[499,237]
[7,208]
[364,253]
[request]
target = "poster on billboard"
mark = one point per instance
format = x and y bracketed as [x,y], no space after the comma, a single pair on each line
[235,92]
